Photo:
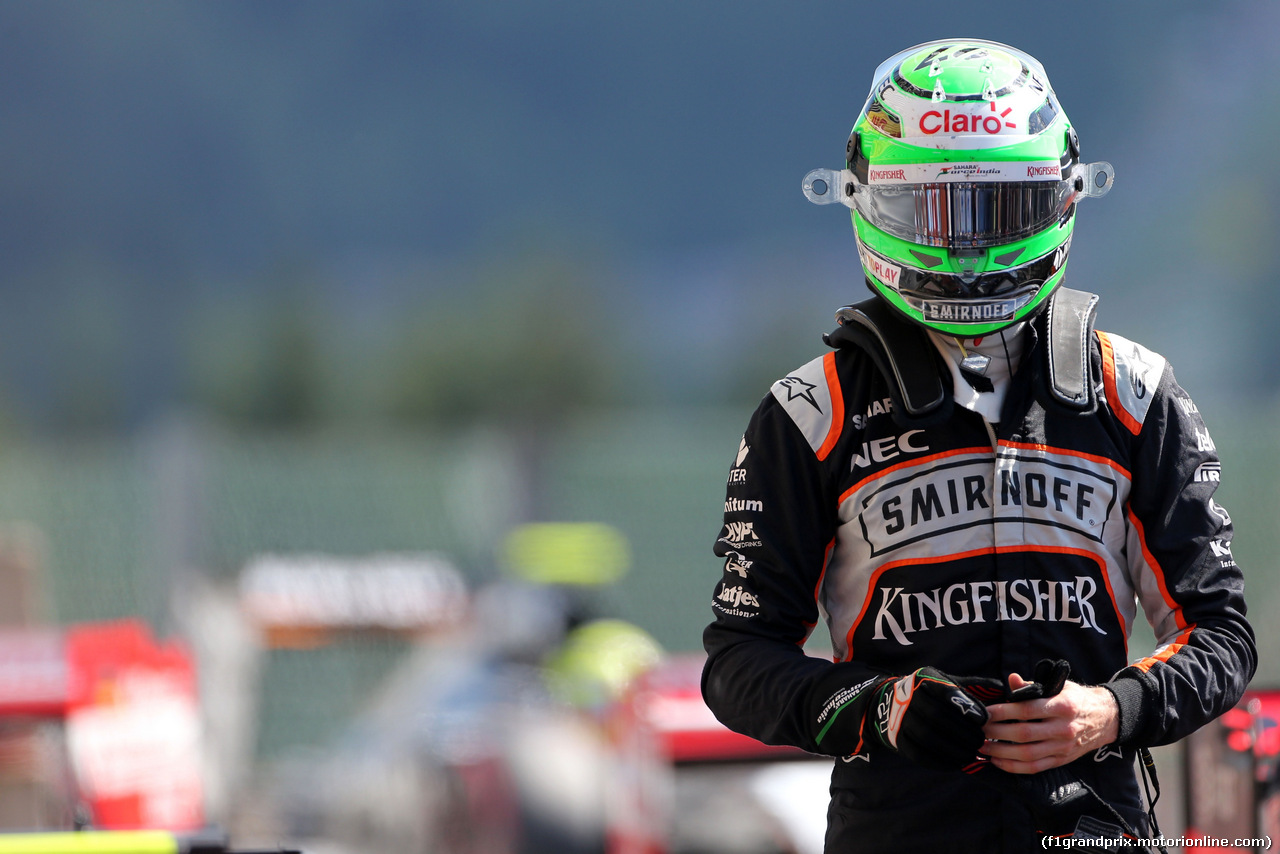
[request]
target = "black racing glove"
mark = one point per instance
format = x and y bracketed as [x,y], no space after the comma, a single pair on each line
[927,717]
[1047,681]
[1049,676]
[1057,799]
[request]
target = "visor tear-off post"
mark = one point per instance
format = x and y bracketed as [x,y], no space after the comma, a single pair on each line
[829,187]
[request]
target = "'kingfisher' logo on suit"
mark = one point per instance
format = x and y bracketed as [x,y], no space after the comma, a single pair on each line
[903,612]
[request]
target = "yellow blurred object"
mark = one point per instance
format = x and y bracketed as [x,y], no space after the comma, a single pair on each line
[124,842]
[599,660]
[576,553]
[90,842]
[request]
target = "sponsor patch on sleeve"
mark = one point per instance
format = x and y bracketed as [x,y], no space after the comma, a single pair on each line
[735,600]
[1131,374]
[806,396]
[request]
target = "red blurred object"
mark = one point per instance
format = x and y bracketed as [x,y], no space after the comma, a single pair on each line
[1239,740]
[1233,784]
[660,727]
[1264,707]
[1238,718]
[667,702]
[128,708]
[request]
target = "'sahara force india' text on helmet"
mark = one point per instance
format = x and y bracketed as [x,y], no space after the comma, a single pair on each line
[963,174]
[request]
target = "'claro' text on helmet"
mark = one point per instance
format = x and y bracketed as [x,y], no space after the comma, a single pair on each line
[945,121]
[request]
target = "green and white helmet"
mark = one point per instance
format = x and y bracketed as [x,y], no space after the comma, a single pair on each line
[963,174]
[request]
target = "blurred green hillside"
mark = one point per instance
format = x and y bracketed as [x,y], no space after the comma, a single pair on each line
[271,212]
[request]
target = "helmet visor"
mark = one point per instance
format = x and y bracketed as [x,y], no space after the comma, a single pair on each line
[964,214]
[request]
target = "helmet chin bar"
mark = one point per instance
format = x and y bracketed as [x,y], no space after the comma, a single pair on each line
[838,186]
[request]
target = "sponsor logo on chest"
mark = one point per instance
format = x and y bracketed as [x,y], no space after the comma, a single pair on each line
[901,613]
[888,448]
[877,407]
[940,497]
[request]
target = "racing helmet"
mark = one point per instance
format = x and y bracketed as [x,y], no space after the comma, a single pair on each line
[963,174]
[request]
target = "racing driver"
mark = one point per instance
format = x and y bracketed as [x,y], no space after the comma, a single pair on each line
[975,490]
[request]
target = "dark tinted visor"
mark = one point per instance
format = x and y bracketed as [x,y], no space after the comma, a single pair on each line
[965,214]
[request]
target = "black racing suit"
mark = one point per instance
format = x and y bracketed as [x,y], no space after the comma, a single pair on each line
[932,545]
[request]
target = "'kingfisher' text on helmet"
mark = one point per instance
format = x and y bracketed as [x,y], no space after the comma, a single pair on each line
[963,174]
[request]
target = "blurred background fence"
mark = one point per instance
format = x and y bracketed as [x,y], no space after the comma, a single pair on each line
[111,519]
[115,518]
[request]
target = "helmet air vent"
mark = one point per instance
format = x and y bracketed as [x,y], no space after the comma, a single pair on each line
[929,261]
